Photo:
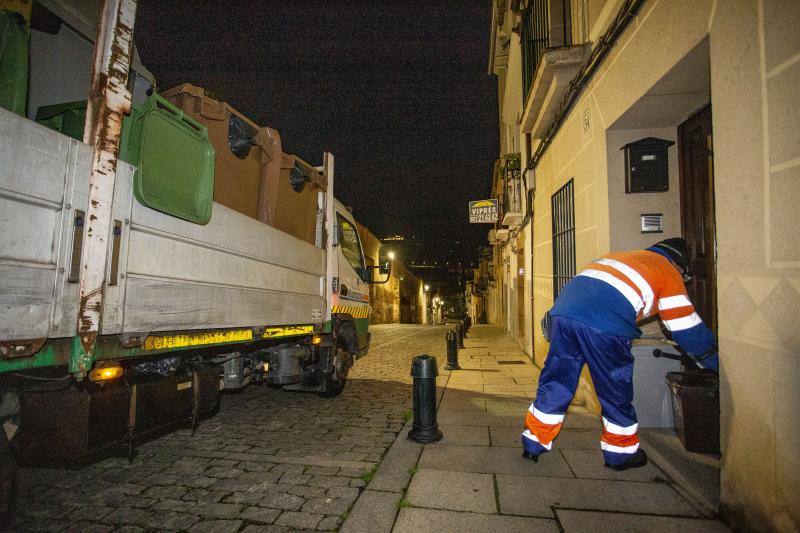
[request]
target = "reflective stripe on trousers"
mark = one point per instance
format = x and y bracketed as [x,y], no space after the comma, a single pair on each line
[610,364]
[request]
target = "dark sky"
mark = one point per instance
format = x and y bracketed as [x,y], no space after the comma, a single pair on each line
[397,90]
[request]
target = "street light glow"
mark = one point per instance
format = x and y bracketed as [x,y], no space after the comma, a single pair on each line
[390,255]
[427,287]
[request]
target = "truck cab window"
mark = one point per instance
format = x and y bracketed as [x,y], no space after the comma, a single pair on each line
[351,247]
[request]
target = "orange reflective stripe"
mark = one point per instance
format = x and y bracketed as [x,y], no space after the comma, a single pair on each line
[544,432]
[678,312]
[619,440]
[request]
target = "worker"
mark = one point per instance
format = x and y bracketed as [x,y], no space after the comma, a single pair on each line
[593,321]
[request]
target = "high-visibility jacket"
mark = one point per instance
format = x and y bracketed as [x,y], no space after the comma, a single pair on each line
[618,290]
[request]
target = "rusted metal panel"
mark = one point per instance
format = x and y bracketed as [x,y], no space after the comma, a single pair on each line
[39,195]
[109,100]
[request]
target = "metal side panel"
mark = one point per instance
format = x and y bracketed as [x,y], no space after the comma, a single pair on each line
[117,259]
[234,271]
[76,197]
[37,169]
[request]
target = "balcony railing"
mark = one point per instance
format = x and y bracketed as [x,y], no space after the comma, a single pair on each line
[512,199]
[545,24]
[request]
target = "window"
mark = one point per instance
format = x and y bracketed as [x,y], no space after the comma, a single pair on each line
[563,212]
[351,246]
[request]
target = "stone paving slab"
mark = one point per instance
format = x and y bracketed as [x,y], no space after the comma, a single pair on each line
[590,464]
[465,435]
[374,512]
[591,522]
[413,520]
[537,496]
[491,460]
[394,472]
[505,405]
[568,439]
[582,421]
[481,419]
[456,491]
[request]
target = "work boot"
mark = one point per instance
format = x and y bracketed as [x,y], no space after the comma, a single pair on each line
[635,461]
[530,456]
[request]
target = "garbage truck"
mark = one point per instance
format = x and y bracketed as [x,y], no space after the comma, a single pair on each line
[157,247]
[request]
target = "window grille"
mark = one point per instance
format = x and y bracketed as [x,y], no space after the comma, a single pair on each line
[563,213]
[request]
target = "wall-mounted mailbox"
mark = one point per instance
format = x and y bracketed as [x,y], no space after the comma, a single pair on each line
[646,168]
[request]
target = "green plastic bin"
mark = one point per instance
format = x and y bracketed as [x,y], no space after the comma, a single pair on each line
[68,118]
[174,160]
[171,150]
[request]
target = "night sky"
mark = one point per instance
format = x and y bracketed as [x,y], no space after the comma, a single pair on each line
[398,91]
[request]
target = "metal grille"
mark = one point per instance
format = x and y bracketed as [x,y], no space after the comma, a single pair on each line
[538,21]
[563,209]
[535,39]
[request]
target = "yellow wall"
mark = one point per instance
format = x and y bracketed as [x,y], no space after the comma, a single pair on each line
[752,48]
[385,298]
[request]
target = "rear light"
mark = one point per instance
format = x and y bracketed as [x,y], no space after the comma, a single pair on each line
[106,372]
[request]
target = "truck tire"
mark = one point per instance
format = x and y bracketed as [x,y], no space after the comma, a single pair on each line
[336,380]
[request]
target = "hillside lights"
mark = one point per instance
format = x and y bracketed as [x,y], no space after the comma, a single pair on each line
[106,371]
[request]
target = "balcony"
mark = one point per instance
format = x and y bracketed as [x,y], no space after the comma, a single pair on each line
[513,212]
[550,62]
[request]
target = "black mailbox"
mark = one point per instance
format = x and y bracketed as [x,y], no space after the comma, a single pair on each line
[646,168]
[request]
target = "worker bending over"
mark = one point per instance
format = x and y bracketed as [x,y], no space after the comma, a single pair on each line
[593,321]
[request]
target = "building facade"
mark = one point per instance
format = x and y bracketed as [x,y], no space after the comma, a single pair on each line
[639,120]
[401,300]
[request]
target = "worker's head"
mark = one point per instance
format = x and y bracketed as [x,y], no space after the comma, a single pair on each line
[677,251]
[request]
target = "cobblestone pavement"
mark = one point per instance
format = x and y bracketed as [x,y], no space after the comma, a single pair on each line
[270,460]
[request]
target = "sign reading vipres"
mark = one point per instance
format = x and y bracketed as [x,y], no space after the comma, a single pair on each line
[483,211]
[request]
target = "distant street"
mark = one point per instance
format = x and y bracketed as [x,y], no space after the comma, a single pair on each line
[268,457]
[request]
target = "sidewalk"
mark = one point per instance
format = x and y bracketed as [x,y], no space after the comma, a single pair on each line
[475,480]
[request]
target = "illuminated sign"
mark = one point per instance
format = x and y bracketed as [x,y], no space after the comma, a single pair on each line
[483,211]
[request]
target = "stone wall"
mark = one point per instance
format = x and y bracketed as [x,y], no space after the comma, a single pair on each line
[400,300]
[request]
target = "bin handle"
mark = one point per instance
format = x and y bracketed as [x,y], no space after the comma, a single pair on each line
[169,106]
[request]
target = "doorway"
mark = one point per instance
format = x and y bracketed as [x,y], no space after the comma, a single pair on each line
[696,163]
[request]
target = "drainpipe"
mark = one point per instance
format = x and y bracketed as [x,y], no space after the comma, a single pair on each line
[109,101]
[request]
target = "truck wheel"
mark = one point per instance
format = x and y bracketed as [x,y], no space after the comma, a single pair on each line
[337,379]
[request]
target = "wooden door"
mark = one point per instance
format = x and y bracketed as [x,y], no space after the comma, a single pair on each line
[697,211]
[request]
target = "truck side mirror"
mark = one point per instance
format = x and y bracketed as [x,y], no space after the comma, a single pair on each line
[384,267]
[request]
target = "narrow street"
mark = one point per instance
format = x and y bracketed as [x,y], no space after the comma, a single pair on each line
[277,461]
[268,457]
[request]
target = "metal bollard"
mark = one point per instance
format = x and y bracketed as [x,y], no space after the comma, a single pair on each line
[452,351]
[424,372]
[460,332]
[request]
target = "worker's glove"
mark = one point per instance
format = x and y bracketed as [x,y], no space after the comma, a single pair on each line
[546,326]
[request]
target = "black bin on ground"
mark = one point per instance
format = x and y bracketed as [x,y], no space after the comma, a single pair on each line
[695,406]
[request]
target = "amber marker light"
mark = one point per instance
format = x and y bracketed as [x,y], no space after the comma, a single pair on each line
[106,372]
[316,339]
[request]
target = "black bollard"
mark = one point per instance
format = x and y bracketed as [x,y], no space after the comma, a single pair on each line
[424,372]
[460,332]
[452,351]
[467,323]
